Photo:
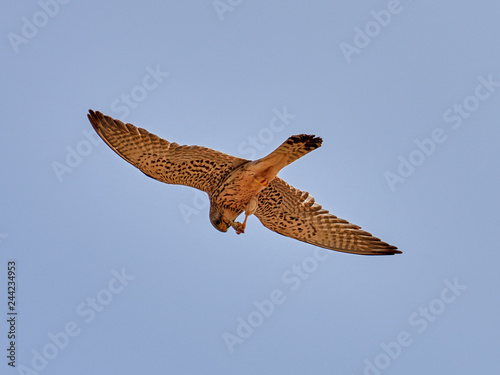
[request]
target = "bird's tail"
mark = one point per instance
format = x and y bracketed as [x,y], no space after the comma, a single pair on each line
[294,148]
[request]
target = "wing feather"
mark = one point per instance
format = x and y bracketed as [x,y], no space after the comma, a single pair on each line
[294,213]
[195,166]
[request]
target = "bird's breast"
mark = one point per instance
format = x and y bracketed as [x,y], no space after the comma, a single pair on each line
[237,190]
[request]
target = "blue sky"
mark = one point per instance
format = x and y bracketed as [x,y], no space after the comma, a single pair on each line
[118,273]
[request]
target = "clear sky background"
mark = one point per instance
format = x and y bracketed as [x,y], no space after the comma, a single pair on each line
[406,96]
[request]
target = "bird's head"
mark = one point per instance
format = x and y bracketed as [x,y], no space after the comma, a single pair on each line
[217,219]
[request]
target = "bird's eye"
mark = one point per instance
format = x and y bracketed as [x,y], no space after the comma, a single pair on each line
[217,222]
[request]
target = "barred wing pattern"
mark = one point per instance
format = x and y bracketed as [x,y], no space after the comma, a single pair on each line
[195,166]
[293,213]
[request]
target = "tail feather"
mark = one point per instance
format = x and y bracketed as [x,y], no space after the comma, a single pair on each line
[292,149]
[295,147]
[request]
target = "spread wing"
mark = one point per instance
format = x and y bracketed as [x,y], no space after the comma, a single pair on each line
[293,213]
[195,166]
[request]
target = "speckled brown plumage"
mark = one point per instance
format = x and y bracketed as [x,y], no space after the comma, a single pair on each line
[294,213]
[237,185]
[195,166]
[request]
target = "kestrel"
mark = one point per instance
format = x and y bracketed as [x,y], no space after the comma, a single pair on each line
[235,185]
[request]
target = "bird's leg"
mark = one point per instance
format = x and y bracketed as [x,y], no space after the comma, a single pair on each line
[250,209]
[239,227]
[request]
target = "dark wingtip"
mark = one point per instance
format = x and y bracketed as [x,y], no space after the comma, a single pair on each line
[95,118]
[92,116]
[392,250]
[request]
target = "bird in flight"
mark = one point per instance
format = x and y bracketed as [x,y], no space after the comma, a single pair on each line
[235,185]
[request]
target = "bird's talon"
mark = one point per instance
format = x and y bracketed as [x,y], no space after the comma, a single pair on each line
[239,228]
